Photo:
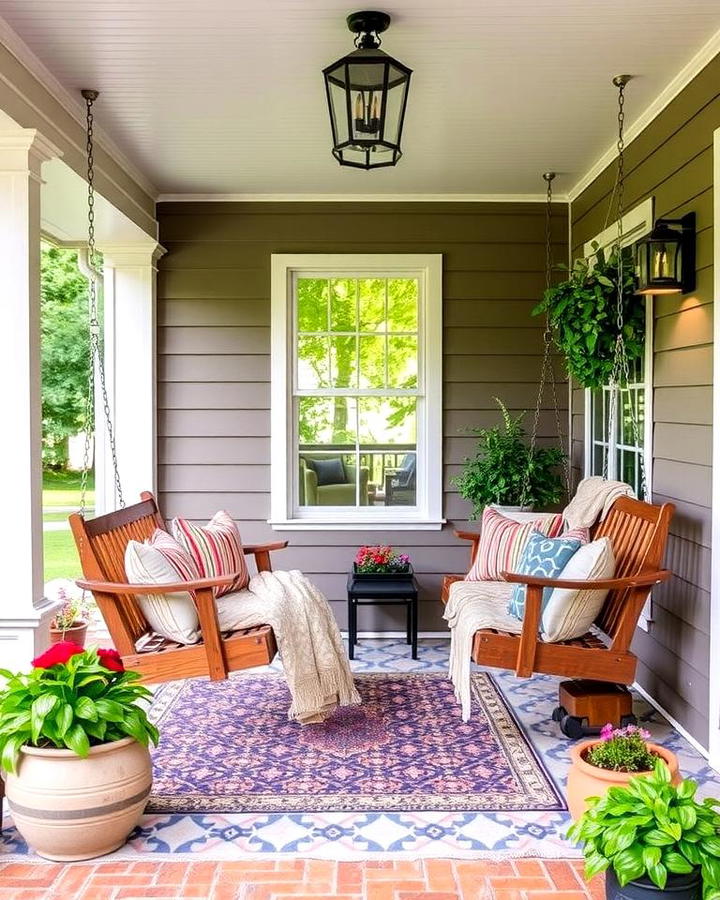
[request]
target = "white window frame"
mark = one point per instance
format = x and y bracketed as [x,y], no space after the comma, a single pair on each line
[427,514]
[636,223]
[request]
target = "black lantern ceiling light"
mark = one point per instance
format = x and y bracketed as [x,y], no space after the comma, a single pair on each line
[367,95]
[666,257]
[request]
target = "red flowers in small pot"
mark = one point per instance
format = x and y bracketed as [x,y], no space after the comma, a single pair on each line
[381,560]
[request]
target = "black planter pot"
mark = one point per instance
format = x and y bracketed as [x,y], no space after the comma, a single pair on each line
[679,887]
[406,575]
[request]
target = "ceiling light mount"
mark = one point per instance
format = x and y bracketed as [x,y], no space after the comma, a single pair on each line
[90,94]
[367,25]
[621,80]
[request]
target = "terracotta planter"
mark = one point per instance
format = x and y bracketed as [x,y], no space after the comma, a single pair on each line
[69,808]
[76,632]
[585,780]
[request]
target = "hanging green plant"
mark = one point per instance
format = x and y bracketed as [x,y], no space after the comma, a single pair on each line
[583,315]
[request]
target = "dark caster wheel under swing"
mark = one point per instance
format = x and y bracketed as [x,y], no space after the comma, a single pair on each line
[584,706]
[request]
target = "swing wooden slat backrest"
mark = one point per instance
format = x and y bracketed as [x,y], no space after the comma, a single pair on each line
[101,544]
[638,532]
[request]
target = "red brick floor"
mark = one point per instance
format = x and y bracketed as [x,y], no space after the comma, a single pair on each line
[431,879]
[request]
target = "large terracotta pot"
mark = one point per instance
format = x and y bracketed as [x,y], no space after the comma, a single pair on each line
[77,632]
[70,808]
[585,780]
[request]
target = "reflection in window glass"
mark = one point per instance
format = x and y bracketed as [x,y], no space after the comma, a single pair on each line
[356,387]
[625,446]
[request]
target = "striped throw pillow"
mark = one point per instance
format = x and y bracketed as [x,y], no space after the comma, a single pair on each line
[503,540]
[216,548]
[161,560]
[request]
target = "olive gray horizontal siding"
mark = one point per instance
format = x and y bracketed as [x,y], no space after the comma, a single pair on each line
[214,357]
[671,161]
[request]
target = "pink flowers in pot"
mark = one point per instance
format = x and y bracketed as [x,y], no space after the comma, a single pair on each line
[381,560]
[622,750]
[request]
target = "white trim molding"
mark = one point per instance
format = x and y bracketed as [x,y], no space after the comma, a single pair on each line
[285,514]
[714,673]
[358,198]
[706,53]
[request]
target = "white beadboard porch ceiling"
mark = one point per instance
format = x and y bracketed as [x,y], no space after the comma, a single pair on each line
[226,96]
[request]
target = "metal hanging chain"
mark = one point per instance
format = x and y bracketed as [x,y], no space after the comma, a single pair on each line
[96,354]
[620,376]
[547,369]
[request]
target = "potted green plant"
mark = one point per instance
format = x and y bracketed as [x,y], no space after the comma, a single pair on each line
[506,473]
[653,838]
[583,315]
[619,755]
[74,750]
[70,622]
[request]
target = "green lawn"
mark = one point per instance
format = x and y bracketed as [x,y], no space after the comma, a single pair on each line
[59,553]
[63,489]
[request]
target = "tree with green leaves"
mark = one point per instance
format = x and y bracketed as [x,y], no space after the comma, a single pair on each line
[65,352]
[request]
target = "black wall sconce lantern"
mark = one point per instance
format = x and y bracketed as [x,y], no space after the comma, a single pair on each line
[666,257]
[367,95]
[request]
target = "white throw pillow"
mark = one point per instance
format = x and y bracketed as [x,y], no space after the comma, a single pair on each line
[569,614]
[174,616]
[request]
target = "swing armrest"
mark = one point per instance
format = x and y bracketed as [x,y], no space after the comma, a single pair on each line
[261,552]
[117,588]
[529,639]
[602,584]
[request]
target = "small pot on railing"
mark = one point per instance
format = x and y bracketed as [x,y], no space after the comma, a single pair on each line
[77,632]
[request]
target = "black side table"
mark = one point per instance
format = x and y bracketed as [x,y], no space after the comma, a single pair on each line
[383,590]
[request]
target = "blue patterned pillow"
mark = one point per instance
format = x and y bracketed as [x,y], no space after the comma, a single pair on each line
[543,556]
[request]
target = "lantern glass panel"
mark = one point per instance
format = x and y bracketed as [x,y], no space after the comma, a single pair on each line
[338,112]
[395,105]
[664,261]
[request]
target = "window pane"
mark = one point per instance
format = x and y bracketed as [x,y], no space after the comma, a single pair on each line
[312,304]
[402,362]
[387,421]
[598,459]
[372,304]
[343,304]
[343,361]
[372,361]
[313,363]
[402,304]
[401,482]
[327,423]
[327,479]
[598,421]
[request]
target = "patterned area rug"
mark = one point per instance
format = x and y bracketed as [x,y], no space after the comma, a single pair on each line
[228,747]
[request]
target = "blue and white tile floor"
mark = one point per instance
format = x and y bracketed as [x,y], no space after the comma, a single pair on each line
[348,836]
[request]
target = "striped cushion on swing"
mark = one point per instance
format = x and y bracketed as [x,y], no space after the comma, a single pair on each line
[503,540]
[216,548]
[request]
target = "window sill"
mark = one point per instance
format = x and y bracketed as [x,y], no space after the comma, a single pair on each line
[345,525]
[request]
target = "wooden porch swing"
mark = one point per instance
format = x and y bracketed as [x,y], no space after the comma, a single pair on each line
[101,544]
[600,660]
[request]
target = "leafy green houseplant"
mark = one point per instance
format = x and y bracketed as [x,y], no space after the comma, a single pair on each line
[650,835]
[72,732]
[502,465]
[583,315]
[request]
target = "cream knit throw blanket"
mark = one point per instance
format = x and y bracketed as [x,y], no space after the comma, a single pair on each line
[592,501]
[313,657]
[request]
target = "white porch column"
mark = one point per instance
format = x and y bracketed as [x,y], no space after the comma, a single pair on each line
[129,285]
[24,612]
